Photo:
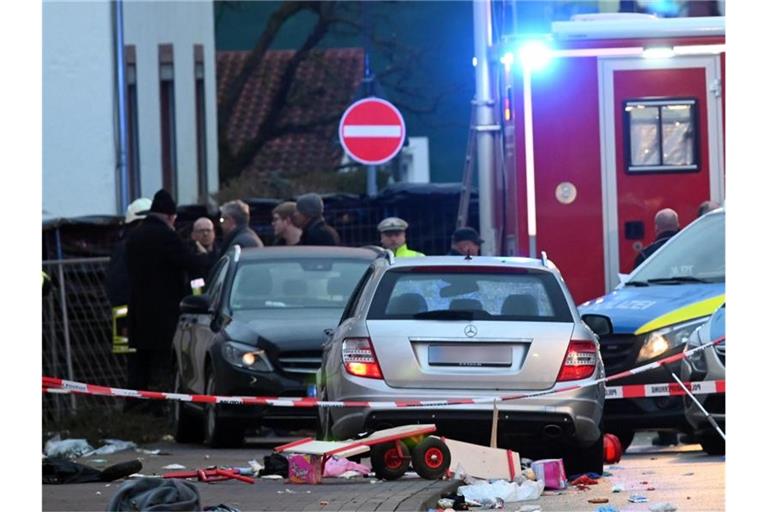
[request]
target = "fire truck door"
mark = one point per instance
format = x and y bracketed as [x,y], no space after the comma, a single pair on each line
[661,140]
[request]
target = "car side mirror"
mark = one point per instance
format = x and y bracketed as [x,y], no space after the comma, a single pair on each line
[195,304]
[600,324]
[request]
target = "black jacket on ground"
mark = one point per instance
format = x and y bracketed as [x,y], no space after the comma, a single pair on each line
[317,232]
[646,252]
[242,236]
[158,266]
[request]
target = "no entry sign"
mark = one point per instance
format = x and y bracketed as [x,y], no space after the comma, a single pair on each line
[372,131]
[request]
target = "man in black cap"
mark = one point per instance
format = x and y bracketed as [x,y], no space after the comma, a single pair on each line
[158,262]
[465,242]
[309,217]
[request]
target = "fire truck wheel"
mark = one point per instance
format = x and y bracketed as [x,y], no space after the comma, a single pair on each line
[431,458]
[387,462]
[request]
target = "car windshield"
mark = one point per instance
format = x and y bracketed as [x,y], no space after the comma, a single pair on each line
[696,254]
[438,293]
[295,283]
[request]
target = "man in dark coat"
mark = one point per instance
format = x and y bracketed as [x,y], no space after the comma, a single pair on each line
[158,263]
[235,218]
[309,217]
[666,226]
[465,242]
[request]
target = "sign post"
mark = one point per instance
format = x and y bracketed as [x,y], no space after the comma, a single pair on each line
[372,132]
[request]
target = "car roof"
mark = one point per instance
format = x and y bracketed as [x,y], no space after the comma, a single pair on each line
[476,261]
[309,251]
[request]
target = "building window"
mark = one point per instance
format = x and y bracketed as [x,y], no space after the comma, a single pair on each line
[167,119]
[200,132]
[661,135]
[132,99]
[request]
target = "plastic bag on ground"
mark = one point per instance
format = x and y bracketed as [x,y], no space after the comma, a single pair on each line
[112,446]
[338,466]
[506,491]
[67,448]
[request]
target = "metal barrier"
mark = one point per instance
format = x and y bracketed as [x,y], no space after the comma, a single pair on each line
[77,332]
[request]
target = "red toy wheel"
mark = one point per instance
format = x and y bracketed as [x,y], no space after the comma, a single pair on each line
[431,458]
[390,460]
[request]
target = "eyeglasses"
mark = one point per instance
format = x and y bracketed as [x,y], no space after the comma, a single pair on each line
[203,231]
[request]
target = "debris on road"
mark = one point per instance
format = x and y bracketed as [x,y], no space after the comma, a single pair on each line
[340,466]
[598,500]
[506,491]
[551,472]
[482,461]
[638,498]
[67,448]
[174,466]
[112,446]
[663,507]
[606,508]
[617,487]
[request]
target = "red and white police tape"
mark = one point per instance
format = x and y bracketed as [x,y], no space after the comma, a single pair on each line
[56,385]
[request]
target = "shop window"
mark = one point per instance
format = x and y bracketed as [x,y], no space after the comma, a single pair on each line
[661,136]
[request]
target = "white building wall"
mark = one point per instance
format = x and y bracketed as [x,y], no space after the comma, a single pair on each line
[183,24]
[79,136]
[79,100]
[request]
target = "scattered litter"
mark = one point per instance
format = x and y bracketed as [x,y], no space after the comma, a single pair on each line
[374,481]
[483,462]
[309,492]
[598,500]
[149,452]
[614,468]
[206,457]
[648,473]
[644,482]
[305,468]
[336,466]
[650,489]
[66,448]
[406,475]
[584,480]
[529,508]
[663,507]
[353,474]
[551,473]
[526,462]
[617,488]
[529,474]
[606,508]
[687,474]
[98,492]
[271,477]
[174,466]
[255,466]
[552,493]
[112,446]
[638,498]
[607,473]
[323,503]
[445,503]
[98,461]
[508,492]
[290,491]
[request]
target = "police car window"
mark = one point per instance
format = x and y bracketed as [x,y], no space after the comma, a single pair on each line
[696,253]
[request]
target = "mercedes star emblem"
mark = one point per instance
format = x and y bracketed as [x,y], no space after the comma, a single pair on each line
[470,331]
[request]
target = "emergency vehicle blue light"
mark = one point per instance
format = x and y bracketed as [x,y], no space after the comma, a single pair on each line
[535,54]
[507,59]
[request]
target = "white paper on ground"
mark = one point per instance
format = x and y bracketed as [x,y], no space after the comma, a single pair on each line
[507,491]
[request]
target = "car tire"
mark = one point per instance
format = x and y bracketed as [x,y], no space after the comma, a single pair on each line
[431,458]
[712,443]
[587,459]
[187,427]
[219,432]
[387,463]
[626,437]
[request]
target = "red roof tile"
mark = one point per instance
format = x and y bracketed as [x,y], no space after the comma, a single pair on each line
[324,86]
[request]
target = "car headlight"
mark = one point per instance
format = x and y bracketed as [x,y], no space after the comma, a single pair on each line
[246,356]
[659,341]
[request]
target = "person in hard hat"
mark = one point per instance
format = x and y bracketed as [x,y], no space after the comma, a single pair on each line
[118,283]
[465,242]
[392,232]
[309,218]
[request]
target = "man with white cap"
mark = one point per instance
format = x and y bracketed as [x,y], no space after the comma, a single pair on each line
[392,232]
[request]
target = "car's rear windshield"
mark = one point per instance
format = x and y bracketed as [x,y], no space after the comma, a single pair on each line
[437,293]
[696,254]
[296,283]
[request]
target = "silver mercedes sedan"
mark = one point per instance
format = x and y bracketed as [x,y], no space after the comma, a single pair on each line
[445,327]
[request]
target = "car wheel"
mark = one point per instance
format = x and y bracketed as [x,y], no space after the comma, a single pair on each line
[188,428]
[388,462]
[626,437]
[219,432]
[587,459]
[712,443]
[431,458]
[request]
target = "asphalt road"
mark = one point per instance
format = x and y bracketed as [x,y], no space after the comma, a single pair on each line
[683,476]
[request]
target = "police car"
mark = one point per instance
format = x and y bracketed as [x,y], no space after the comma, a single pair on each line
[654,311]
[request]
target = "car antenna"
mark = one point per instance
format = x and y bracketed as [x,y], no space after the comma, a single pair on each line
[544,259]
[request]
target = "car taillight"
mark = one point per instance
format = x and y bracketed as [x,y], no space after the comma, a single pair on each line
[359,358]
[580,361]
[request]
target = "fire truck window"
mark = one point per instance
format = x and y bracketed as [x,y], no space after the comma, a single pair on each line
[661,136]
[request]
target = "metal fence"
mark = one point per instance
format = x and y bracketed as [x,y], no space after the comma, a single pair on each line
[77,333]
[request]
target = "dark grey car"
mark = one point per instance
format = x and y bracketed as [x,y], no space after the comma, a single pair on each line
[450,327]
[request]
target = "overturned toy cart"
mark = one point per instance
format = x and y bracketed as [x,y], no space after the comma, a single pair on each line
[393,450]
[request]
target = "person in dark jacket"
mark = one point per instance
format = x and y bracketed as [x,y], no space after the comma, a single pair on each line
[666,226]
[158,262]
[118,284]
[203,241]
[235,217]
[309,217]
[286,232]
[465,242]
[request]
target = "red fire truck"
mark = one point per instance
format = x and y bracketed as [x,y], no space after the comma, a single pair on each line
[605,121]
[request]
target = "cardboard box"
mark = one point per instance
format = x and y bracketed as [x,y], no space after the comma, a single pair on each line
[304,468]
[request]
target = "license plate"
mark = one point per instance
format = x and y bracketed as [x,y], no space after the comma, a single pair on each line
[470,354]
